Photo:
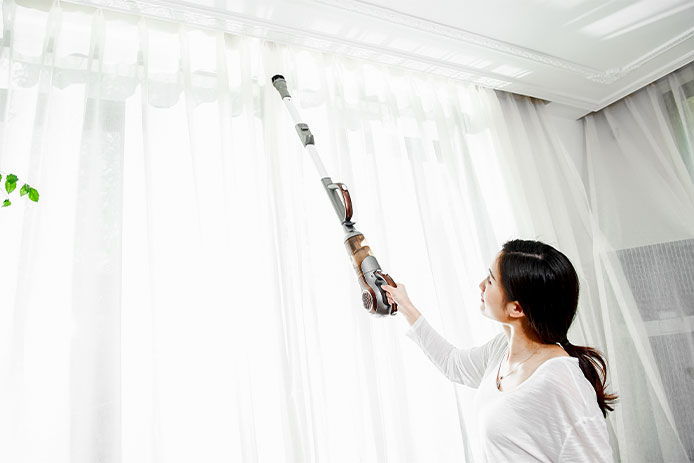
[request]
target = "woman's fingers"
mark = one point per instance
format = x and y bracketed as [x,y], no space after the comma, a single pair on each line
[400,285]
[395,294]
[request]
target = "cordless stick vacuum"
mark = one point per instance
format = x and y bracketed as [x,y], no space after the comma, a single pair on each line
[365,264]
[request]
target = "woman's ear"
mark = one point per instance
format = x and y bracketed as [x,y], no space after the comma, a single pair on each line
[514,309]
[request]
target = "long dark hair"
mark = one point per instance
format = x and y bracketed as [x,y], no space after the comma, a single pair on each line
[545,284]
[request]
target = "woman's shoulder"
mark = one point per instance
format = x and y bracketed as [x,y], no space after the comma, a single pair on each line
[497,346]
[561,379]
[559,369]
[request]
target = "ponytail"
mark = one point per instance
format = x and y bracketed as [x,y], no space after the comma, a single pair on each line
[594,368]
[545,284]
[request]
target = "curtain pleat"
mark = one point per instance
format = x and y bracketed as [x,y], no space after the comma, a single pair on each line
[640,185]
[181,291]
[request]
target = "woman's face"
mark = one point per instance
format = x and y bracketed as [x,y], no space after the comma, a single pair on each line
[493,300]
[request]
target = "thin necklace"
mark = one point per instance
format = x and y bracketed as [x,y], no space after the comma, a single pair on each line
[499,378]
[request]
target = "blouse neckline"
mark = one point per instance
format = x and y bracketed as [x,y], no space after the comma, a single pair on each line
[539,367]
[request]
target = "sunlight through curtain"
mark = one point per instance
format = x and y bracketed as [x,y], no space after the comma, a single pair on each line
[181,292]
[639,158]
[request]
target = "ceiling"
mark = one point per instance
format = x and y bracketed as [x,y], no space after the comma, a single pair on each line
[580,55]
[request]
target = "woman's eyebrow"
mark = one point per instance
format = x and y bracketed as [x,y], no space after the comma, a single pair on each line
[490,274]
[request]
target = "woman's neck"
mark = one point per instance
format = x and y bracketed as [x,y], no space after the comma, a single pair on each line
[520,344]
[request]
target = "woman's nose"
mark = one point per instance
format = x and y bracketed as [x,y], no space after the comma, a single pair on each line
[482,284]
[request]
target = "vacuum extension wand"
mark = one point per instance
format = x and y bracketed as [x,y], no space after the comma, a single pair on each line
[365,264]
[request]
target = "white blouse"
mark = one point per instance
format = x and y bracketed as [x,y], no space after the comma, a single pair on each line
[552,416]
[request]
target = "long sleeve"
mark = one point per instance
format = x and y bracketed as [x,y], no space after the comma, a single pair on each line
[464,366]
[587,440]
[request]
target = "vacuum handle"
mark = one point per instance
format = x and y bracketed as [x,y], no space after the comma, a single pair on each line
[390,282]
[346,199]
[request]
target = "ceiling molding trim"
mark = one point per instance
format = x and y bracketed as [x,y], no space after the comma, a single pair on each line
[651,77]
[470,38]
[234,23]
[605,77]
[614,74]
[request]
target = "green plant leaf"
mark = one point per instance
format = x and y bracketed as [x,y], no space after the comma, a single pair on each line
[34,194]
[25,189]
[10,183]
[6,203]
[10,186]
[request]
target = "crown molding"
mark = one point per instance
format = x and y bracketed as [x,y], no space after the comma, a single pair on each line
[466,37]
[239,24]
[612,75]
[604,77]
[217,19]
[647,79]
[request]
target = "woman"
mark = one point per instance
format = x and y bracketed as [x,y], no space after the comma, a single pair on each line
[539,397]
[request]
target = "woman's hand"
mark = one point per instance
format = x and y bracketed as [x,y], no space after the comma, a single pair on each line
[398,295]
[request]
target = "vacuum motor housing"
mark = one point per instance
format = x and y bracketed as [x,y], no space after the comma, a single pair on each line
[370,276]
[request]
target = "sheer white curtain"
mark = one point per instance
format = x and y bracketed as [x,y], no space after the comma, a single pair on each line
[619,282]
[181,291]
[639,159]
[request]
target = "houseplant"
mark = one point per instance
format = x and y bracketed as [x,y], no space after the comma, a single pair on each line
[26,189]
